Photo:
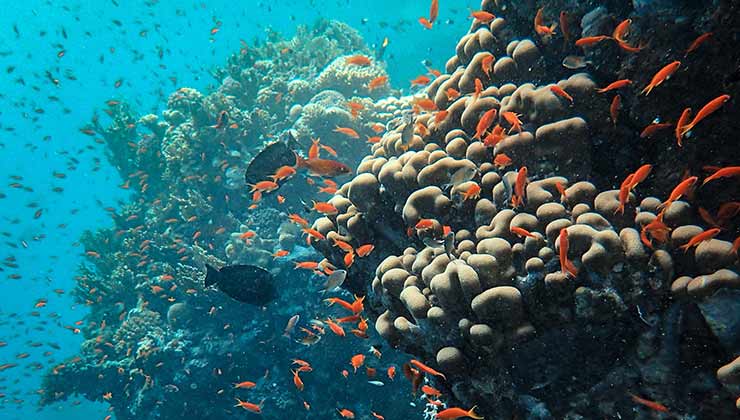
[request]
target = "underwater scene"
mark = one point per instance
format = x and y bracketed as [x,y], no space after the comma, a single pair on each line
[370,209]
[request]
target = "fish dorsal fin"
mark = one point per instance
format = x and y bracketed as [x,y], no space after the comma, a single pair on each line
[212,276]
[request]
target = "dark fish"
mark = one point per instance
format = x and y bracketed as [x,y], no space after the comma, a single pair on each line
[274,155]
[245,283]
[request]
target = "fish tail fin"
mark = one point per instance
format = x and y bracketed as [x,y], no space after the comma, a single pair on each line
[211,276]
[299,161]
[473,415]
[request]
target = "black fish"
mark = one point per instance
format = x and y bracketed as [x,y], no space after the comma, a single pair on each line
[245,283]
[271,157]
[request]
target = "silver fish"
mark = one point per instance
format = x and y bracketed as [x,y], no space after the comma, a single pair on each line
[407,134]
[464,174]
[376,383]
[449,243]
[291,325]
[334,281]
[575,62]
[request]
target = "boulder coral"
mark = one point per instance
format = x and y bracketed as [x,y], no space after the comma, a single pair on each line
[480,286]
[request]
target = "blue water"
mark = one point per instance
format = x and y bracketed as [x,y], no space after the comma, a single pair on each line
[104,42]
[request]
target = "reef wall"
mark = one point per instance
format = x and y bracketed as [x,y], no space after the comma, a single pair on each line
[510,258]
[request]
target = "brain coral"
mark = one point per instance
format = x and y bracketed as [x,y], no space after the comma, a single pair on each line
[473,273]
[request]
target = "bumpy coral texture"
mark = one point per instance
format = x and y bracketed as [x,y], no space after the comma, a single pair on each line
[496,310]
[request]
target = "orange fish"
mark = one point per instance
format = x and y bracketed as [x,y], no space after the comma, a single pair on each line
[297,380]
[502,160]
[485,121]
[245,385]
[313,151]
[377,83]
[557,90]
[306,265]
[325,208]
[591,40]
[358,60]
[452,94]
[650,404]
[683,121]
[349,259]
[255,408]
[323,167]
[566,265]
[614,108]
[282,173]
[615,85]
[347,132]
[661,76]
[725,172]
[521,232]
[653,128]
[564,28]
[357,361]
[621,30]
[280,253]
[482,16]
[365,250]
[424,368]
[298,220]
[683,188]
[391,372]
[433,11]
[486,64]
[640,174]
[698,41]
[377,416]
[335,328]
[540,27]
[428,390]
[456,413]
[264,186]
[495,136]
[624,192]
[513,119]
[425,22]
[472,192]
[421,81]
[346,413]
[440,116]
[705,111]
[521,180]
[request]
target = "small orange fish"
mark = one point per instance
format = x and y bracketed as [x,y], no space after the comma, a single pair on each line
[615,85]
[377,82]
[297,380]
[433,11]
[391,372]
[485,122]
[650,404]
[614,108]
[421,81]
[517,198]
[698,41]
[726,172]
[440,116]
[502,160]
[482,16]
[566,266]
[456,413]
[255,408]
[661,76]
[347,132]
[591,40]
[424,368]
[521,232]
[357,361]
[358,60]
[557,90]
[245,385]
[280,253]
[347,414]
[365,250]
[705,111]
[683,188]
[621,30]
[452,94]
[683,121]
[472,192]
[486,64]
[540,28]
[425,22]
[335,328]
[653,128]
[513,119]
[428,390]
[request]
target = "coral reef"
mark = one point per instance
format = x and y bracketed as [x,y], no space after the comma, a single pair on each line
[157,341]
[538,290]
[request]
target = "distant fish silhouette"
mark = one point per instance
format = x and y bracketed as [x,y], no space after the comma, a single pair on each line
[245,283]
